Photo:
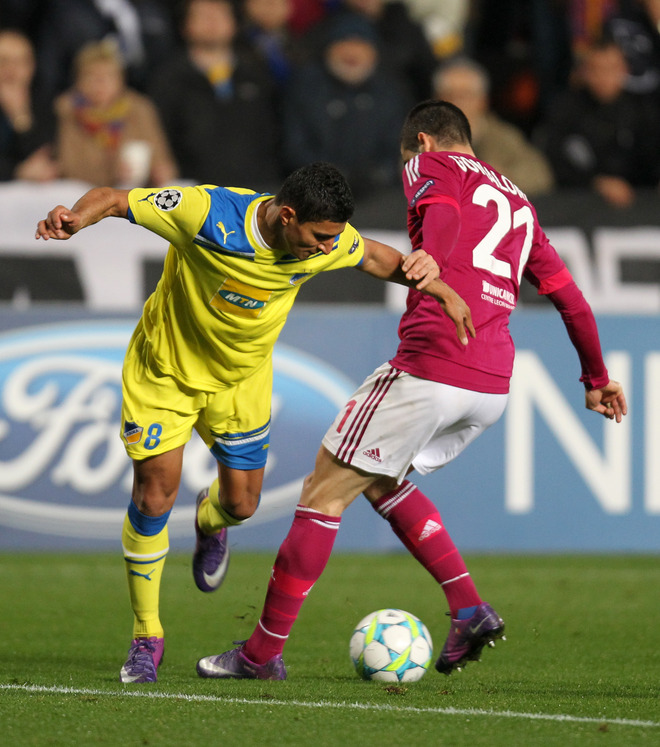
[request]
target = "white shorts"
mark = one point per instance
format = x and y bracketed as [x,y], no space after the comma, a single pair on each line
[395,420]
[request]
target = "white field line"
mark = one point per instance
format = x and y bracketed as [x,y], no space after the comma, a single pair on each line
[59,690]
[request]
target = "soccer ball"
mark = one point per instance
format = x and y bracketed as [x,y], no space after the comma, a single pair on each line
[391,646]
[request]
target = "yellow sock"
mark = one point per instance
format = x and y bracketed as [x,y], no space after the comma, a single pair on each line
[211,516]
[145,558]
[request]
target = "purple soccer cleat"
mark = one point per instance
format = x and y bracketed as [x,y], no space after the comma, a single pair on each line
[467,638]
[211,556]
[144,656]
[235,665]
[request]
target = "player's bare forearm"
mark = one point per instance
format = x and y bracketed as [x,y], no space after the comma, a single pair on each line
[418,270]
[100,202]
[608,400]
[415,270]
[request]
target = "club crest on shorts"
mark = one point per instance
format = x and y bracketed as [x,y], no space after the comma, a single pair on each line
[132,433]
[167,199]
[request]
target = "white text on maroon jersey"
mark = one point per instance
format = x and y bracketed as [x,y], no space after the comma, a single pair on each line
[500,181]
[496,295]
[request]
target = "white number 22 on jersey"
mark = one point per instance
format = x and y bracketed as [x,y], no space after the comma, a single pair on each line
[482,254]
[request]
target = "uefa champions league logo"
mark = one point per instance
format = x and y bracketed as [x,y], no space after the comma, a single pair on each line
[63,469]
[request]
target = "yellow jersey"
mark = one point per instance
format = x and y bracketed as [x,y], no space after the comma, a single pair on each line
[224,294]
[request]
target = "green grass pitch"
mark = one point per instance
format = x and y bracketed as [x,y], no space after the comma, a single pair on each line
[579,667]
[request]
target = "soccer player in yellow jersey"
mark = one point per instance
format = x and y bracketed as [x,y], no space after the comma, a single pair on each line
[201,354]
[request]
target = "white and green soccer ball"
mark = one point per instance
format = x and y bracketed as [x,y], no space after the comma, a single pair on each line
[391,645]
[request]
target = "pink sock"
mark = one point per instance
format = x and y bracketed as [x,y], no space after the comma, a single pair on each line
[417,523]
[300,561]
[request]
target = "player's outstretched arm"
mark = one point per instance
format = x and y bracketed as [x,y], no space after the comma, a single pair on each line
[418,270]
[608,400]
[100,202]
[382,261]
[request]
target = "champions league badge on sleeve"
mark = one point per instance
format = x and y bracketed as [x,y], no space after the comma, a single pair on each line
[167,199]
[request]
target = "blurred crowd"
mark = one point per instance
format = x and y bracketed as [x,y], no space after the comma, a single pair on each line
[559,93]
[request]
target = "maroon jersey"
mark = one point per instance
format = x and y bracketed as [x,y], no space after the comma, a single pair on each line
[485,236]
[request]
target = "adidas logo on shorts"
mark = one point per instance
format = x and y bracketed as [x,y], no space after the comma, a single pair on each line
[373,454]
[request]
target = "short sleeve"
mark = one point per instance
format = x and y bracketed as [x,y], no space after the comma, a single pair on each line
[175,213]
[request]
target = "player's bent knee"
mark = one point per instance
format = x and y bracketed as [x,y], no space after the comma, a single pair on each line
[153,503]
[240,507]
[381,487]
[321,496]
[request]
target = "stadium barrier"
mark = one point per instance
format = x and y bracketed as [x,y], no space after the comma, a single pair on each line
[613,254]
[550,476]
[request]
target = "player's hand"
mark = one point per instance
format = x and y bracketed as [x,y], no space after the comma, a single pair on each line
[61,223]
[455,308]
[459,312]
[420,266]
[609,401]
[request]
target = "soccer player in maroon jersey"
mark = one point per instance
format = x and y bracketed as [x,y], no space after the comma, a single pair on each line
[422,408]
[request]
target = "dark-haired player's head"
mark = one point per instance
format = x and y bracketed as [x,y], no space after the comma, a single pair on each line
[442,121]
[317,192]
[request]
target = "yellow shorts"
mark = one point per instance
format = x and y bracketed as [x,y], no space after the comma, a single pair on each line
[159,412]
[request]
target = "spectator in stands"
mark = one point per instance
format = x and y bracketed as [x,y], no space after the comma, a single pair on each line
[635,27]
[266,29]
[597,135]
[143,30]
[107,133]
[25,123]
[406,49]
[217,102]
[346,109]
[465,83]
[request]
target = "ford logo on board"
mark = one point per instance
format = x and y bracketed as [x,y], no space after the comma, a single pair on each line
[63,468]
